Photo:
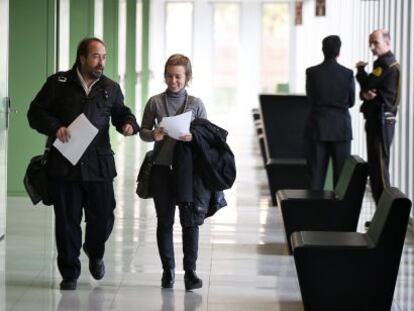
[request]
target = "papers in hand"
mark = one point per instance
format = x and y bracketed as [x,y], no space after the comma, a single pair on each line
[178,125]
[82,132]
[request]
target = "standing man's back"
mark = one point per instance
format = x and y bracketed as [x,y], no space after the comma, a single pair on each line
[330,90]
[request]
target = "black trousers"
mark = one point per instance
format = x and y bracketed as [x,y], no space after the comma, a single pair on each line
[162,187]
[378,150]
[319,154]
[98,202]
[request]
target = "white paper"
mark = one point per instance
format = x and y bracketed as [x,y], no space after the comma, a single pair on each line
[82,132]
[178,125]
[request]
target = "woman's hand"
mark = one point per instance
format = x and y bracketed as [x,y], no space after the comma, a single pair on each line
[186,137]
[158,134]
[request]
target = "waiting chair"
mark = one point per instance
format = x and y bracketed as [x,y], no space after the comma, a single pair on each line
[284,118]
[354,271]
[338,210]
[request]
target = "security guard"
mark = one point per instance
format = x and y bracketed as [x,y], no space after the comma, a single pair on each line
[88,184]
[380,93]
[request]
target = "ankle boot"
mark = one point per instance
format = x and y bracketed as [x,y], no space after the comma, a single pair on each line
[168,278]
[191,280]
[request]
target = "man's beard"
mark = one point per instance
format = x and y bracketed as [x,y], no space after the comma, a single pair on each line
[96,73]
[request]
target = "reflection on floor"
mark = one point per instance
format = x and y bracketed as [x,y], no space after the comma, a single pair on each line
[243,259]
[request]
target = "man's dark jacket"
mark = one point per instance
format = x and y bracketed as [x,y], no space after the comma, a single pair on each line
[330,89]
[204,168]
[62,99]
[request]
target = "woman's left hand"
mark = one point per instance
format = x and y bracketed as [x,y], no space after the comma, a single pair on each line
[186,137]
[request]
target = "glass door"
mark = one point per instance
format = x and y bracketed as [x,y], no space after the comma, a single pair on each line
[4,109]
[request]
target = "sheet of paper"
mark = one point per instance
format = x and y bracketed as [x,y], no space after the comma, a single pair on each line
[82,132]
[178,125]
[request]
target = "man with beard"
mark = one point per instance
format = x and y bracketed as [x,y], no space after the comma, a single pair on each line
[380,93]
[88,185]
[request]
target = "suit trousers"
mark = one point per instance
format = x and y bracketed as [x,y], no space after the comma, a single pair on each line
[378,150]
[162,188]
[319,154]
[98,202]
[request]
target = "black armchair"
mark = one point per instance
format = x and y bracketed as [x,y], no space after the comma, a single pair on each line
[354,271]
[284,118]
[338,210]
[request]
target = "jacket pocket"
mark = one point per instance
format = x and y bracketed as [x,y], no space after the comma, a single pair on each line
[106,163]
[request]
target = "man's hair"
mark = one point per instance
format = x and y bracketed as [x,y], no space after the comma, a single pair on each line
[180,60]
[331,45]
[83,48]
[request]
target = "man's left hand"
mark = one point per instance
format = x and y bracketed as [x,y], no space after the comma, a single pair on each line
[127,130]
[370,95]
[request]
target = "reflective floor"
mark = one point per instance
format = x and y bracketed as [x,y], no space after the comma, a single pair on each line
[242,260]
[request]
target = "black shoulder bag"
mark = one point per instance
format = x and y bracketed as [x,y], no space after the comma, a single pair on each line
[35,180]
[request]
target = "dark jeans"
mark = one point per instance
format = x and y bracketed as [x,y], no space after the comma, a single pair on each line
[162,186]
[98,201]
[379,155]
[319,154]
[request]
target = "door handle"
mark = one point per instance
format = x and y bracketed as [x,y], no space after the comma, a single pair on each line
[9,109]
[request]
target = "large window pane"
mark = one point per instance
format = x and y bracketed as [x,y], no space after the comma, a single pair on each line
[63,44]
[275,47]
[178,28]
[226,51]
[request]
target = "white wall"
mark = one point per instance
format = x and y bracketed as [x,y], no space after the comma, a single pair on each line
[353,20]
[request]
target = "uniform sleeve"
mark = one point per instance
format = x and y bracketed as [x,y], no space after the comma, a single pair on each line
[121,114]
[40,115]
[374,79]
[147,124]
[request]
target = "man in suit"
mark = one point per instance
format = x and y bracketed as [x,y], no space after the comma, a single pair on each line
[330,90]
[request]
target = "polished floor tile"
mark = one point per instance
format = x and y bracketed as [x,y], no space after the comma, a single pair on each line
[243,258]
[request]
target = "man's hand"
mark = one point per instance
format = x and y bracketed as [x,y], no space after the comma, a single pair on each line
[361,64]
[158,133]
[370,95]
[186,137]
[63,134]
[127,130]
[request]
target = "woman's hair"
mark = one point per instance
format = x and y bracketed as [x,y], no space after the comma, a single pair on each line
[180,60]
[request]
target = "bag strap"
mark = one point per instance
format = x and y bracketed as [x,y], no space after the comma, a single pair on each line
[179,111]
[48,146]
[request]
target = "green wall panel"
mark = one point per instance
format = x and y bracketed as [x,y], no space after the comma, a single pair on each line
[31,60]
[110,35]
[131,76]
[81,23]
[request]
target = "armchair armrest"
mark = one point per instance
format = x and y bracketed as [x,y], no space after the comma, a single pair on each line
[332,240]
[296,196]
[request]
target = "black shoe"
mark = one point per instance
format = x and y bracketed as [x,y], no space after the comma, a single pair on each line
[168,279]
[68,284]
[96,266]
[191,280]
